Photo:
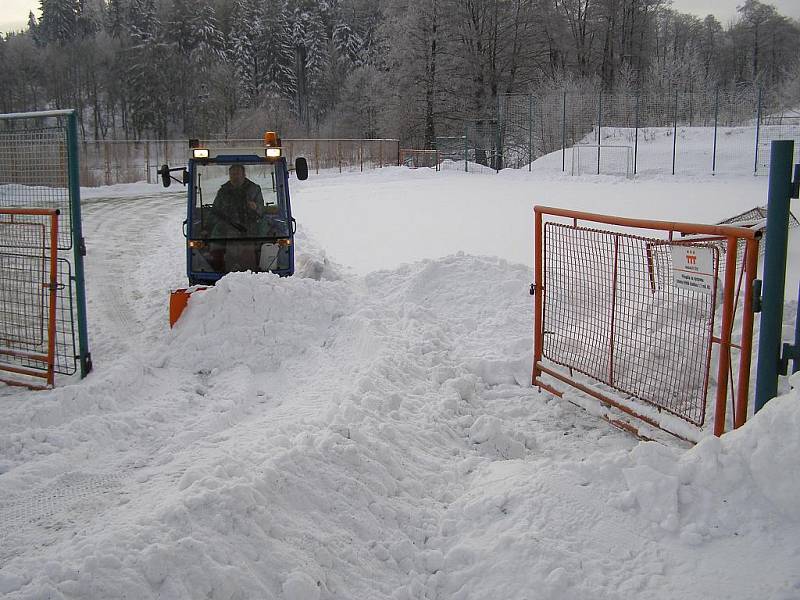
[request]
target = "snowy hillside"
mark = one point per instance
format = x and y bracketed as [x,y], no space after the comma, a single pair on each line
[366,429]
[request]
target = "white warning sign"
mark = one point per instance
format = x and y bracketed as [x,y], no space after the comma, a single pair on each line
[693,268]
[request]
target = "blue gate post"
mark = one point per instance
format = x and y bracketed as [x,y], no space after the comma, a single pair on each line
[769,339]
[78,243]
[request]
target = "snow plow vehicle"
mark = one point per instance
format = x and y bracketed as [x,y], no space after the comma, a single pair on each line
[239,215]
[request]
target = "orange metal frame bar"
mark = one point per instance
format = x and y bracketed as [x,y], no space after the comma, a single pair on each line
[48,359]
[731,234]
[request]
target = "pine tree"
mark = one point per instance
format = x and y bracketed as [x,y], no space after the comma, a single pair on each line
[59,22]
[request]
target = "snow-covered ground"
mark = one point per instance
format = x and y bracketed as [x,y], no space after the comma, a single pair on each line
[367,429]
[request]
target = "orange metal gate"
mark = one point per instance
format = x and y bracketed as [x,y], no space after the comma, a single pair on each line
[637,314]
[29,286]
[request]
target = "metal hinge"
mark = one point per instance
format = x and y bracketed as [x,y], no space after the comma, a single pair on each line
[757,295]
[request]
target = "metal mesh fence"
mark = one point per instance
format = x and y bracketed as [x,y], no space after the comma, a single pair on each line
[33,171]
[482,144]
[695,131]
[612,312]
[414,159]
[31,309]
[42,291]
[110,162]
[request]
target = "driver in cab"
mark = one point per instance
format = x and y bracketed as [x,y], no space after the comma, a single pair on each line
[240,205]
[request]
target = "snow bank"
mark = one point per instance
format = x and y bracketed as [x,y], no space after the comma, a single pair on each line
[350,435]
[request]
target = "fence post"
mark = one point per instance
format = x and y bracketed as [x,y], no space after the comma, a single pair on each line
[758,133]
[530,132]
[599,126]
[716,119]
[147,159]
[466,146]
[564,133]
[636,135]
[675,131]
[78,244]
[769,339]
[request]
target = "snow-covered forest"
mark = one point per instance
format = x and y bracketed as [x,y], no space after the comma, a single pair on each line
[410,69]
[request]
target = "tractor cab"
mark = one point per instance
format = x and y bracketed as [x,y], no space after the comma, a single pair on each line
[239,216]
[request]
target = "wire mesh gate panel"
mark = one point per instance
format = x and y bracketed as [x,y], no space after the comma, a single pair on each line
[612,312]
[31,302]
[39,171]
[637,314]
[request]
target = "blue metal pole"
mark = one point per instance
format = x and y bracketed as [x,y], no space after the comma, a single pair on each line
[769,339]
[78,244]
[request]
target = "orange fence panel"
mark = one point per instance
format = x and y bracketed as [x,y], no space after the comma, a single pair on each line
[29,297]
[637,314]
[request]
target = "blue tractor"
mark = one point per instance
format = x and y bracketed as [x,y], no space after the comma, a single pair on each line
[239,216]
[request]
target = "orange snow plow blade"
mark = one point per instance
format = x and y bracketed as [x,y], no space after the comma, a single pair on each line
[178,299]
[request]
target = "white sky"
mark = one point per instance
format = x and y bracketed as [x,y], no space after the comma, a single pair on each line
[14,13]
[725,10]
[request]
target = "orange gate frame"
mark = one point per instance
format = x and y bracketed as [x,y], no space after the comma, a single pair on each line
[48,359]
[726,233]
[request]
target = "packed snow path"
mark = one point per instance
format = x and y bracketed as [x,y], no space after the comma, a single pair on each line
[343,436]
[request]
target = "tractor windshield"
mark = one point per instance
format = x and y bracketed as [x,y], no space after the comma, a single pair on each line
[238,201]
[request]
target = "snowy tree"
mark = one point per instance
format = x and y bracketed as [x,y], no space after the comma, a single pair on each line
[59,22]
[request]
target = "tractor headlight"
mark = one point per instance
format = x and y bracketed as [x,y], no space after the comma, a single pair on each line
[273,152]
[200,153]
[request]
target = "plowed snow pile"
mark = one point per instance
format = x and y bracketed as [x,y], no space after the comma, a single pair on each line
[374,436]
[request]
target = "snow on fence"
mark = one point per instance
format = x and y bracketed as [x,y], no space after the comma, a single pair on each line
[636,316]
[108,162]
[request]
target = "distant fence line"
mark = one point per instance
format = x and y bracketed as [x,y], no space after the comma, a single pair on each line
[107,162]
[687,132]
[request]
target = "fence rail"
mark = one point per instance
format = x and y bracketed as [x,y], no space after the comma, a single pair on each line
[108,162]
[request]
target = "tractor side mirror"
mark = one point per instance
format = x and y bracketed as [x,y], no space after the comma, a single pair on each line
[165,178]
[301,168]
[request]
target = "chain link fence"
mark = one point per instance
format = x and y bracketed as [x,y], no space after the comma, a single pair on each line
[692,132]
[109,162]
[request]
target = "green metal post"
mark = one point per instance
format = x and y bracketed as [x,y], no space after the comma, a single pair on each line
[636,138]
[564,134]
[716,120]
[530,132]
[78,244]
[758,133]
[466,146]
[796,361]
[599,126]
[769,339]
[675,132]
